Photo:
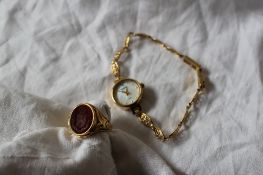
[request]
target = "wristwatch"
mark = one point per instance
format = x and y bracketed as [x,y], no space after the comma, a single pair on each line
[127,93]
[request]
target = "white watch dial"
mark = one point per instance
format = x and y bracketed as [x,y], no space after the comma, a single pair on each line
[127,92]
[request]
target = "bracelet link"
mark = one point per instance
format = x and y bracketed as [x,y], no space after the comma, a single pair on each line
[115,70]
[191,62]
[128,40]
[147,121]
[201,81]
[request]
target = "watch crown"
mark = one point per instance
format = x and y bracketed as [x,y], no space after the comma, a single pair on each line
[142,85]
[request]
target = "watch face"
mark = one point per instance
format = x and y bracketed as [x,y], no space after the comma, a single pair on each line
[127,92]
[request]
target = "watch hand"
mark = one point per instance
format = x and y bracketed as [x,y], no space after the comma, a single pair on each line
[126,91]
[123,91]
[122,88]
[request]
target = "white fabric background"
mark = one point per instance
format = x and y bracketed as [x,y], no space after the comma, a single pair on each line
[57,54]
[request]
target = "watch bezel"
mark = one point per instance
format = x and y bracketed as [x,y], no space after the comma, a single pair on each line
[127,79]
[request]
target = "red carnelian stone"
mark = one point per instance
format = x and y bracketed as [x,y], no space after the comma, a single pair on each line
[81,119]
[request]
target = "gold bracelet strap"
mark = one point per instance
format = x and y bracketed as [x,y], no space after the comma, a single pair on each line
[147,121]
[144,118]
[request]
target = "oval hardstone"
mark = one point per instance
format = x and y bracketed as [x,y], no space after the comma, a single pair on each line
[81,119]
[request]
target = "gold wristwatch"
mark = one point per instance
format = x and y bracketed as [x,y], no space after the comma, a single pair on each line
[127,92]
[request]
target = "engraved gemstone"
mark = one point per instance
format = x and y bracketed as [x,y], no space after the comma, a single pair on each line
[81,119]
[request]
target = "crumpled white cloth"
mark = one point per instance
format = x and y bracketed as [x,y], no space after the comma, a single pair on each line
[57,54]
[36,141]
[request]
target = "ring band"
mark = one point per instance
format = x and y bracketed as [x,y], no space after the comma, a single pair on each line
[86,120]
